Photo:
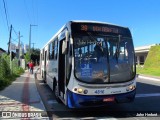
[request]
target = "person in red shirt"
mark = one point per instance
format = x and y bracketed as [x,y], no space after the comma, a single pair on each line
[31,65]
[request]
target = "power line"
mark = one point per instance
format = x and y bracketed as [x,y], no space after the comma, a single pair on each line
[33,12]
[15,34]
[27,11]
[6,14]
[15,31]
[1,12]
[14,39]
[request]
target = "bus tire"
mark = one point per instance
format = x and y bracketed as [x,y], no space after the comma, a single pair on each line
[44,77]
[55,92]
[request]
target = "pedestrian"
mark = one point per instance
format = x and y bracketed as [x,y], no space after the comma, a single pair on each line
[31,65]
[28,66]
[80,52]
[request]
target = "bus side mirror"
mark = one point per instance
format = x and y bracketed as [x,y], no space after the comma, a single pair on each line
[65,44]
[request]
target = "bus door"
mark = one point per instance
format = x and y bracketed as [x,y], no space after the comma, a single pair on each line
[61,71]
[45,62]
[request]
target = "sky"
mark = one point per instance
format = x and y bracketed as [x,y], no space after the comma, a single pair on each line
[142,17]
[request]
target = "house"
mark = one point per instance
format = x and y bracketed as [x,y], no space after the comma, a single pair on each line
[2,51]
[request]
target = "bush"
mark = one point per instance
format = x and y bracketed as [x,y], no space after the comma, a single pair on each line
[19,71]
[4,69]
[6,77]
[3,83]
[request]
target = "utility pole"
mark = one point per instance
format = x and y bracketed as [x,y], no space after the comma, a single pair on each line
[9,43]
[19,46]
[30,43]
[30,40]
[33,45]
[9,48]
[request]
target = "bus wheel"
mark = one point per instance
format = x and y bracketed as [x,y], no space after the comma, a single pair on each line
[55,92]
[44,77]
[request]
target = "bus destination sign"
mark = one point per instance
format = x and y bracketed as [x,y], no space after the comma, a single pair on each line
[100,28]
[96,28]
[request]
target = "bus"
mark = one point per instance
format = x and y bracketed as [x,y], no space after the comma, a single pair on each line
[90,64]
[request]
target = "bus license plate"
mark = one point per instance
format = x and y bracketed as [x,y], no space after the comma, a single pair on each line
[110,99]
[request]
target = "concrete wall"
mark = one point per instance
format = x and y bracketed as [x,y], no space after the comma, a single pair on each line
[140,58]
[23,64]
[141,54]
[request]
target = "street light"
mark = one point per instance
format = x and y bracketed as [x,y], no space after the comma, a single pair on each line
[30,40]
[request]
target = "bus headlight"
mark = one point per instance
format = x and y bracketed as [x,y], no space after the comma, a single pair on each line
[80,90]
[131,87]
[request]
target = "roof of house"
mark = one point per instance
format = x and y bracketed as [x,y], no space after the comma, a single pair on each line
[2,50]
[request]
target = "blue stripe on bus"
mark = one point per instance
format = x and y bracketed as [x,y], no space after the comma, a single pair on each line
[79,101]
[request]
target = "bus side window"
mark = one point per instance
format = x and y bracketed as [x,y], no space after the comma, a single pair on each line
[43,54]
[50,51]
[55,49]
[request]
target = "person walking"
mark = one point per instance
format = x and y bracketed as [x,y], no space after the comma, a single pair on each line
[31,65]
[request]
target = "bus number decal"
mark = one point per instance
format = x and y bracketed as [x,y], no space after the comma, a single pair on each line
[84,27]
[99,91]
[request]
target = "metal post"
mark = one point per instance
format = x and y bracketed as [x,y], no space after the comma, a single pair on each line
[10,34]
[19,47]
[33,45]
[30,40]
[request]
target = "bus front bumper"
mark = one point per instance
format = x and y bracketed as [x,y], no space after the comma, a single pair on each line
[80,101]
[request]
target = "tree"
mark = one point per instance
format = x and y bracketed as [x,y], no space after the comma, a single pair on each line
[35,55]
[27,57]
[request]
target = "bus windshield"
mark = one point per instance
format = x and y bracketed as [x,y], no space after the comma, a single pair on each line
[103,59]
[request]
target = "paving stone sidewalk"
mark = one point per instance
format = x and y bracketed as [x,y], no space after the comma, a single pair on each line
[21,97]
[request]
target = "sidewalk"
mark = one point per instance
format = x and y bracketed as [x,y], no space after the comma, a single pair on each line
[20,97]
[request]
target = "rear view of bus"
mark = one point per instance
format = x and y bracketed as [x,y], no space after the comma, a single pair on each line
[103,65]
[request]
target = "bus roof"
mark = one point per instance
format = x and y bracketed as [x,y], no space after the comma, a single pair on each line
[98,22]
[80,21]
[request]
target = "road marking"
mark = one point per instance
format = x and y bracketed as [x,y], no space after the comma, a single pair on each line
[7,104]
[148,95]
[16,103]
[149,78]
[41,83]
[87,118]
[52,101]
[21,82]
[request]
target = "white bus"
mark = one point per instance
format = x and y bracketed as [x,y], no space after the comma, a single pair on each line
[88,63]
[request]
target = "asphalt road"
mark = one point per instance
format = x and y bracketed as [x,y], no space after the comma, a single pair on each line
[146,105]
